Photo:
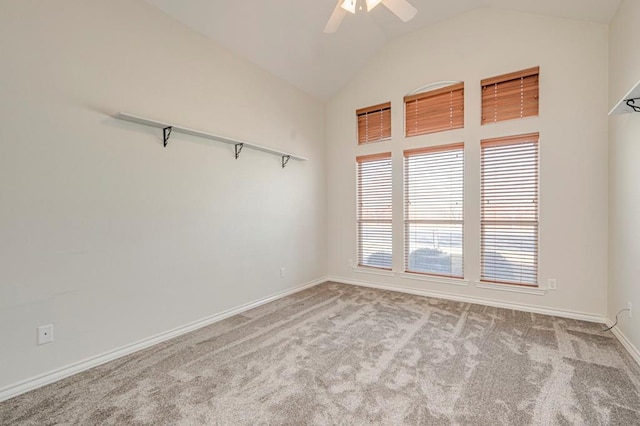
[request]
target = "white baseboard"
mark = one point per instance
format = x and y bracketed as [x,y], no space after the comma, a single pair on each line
[633,351]
[477,300]
[69,370]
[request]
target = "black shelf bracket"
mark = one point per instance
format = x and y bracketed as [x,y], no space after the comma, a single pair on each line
[167,134]
[239,147]
[631,103]
[285,160]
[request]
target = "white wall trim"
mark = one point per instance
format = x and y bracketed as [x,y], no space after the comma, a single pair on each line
[633,351]
[478,300]
[21,387]
[374,271]
[433,86]
[435,279]
[511,288]
[75,368]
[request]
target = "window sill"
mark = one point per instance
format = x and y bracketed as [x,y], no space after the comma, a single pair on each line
[512,288]
[376,141]
[435,279]
[373,271]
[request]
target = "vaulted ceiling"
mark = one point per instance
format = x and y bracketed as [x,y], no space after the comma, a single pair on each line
[286,36]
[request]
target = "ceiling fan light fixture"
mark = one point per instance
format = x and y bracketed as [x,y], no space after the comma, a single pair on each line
[349,5]
[401,8]
[372,3]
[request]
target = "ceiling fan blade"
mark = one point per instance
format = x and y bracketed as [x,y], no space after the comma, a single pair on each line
[336,19]
[402,8]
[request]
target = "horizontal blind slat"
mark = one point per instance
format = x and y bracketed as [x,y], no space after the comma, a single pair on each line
[374,213]
[435,111]
[374,123]
[509,210]
[434,193]
[511,96]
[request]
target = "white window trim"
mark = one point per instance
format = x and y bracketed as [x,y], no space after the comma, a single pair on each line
[435,279]
[538,291]
[433,86]
[374,271]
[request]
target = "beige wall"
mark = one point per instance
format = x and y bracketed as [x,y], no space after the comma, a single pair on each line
[624,173]
[106,234]
[113,238]
[573,145]
[624,61]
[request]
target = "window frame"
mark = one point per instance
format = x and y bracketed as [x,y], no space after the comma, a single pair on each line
[426,103]
[362,219]
[511,141]
[407,154]
[503,112]
[368,113]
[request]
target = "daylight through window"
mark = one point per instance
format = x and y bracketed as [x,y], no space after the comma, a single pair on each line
[374,211]
[509,217]
[434,193]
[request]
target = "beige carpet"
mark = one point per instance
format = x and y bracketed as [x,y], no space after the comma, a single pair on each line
[342,355]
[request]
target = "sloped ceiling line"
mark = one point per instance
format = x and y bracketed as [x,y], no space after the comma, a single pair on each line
[286,37]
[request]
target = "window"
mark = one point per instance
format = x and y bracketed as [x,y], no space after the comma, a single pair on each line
[435,110]
[374,210]
[374,123]
[510,96]
[434,193]
[509,217]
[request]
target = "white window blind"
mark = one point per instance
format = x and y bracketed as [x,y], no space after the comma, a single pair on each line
[434,193]
[509,222]
[374,211]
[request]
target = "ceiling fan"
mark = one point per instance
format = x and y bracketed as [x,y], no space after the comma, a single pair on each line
[402,8]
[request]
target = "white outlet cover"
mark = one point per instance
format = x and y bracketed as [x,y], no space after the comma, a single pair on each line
[630,312]
[45,334]
[552,284]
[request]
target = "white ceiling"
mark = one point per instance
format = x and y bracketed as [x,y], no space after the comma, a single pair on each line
[286,38]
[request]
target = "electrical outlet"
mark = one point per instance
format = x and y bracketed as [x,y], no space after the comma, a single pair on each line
[552,284]
[45,334]
[630,311]
[350,263]
[282,272]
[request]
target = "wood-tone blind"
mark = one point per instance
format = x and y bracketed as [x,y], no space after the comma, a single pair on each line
[510,96]
[374,211]
[435,110]
[509,217]
[374,123]
[434,195]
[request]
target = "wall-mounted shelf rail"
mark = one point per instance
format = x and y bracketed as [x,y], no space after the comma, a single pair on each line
[168,128]
[630,102]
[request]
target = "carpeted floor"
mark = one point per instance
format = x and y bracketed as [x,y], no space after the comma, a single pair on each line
[342,355]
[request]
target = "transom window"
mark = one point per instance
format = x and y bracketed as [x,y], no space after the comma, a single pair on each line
[435,110]
[374,123]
